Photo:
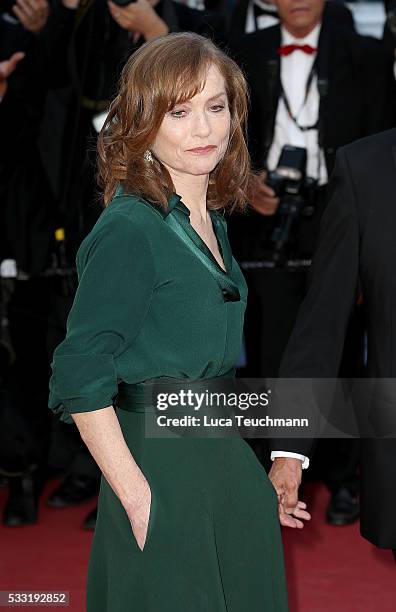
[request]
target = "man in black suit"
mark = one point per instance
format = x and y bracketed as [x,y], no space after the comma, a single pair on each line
[317,85]
[356,246]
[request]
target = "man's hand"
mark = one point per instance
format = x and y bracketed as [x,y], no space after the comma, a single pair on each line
[7,68]
[139,18]
[32,14]
[285,475]
[261,197]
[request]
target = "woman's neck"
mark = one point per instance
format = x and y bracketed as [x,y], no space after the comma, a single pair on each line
[193,191]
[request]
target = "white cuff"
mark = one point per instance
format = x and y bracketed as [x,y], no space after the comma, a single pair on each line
[8,268]
[303,458]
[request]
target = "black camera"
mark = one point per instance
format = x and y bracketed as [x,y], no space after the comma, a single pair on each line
[297,194]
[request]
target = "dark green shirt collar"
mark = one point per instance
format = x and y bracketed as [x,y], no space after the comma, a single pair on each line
[174,201]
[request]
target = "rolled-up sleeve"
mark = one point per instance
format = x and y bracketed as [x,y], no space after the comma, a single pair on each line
[116,274]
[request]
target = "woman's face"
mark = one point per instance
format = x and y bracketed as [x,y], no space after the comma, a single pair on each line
[194,135]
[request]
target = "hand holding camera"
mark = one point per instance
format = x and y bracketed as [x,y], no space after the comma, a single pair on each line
[297,195]
[138,18]
[263,198]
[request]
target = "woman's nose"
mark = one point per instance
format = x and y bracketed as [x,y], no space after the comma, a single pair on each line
[201,125]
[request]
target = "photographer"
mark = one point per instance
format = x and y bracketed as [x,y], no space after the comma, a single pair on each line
[317,86]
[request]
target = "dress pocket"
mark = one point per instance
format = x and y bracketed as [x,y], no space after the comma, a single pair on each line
[151,521]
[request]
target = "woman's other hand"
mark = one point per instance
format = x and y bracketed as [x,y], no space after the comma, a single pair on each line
[261,197]
[139,514]
[32,14]
[139,18]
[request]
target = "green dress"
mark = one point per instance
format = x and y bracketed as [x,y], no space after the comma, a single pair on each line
[153,302]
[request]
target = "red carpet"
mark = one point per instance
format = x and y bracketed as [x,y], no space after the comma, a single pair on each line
[329,569]
[332,569]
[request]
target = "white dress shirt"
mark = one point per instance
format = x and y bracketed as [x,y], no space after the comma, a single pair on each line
[294,72]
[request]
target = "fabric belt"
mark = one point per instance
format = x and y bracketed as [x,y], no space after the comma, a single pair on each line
[140,397]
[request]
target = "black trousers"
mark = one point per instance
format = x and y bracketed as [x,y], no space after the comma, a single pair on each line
[37,316]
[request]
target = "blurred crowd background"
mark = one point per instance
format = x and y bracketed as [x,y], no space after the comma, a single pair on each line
[305,104]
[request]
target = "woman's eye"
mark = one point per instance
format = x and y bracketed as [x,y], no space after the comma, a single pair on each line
[178,114]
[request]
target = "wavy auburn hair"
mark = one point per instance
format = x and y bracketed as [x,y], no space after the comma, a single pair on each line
[166,71]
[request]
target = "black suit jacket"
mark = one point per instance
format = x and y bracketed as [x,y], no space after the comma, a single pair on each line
[357,244]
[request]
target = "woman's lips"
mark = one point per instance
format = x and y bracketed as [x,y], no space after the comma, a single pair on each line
[202,150]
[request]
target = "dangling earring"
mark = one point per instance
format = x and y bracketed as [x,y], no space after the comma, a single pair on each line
[148,156]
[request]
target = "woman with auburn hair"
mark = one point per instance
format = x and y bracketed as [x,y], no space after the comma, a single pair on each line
[184,524]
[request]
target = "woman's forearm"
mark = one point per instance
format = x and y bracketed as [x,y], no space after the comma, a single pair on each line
[101,432]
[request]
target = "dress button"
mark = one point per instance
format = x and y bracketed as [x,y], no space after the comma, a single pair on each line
[230,297]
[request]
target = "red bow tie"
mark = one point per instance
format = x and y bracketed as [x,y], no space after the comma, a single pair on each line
[287,49]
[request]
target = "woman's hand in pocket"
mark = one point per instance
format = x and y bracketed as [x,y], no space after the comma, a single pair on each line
[139,515]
